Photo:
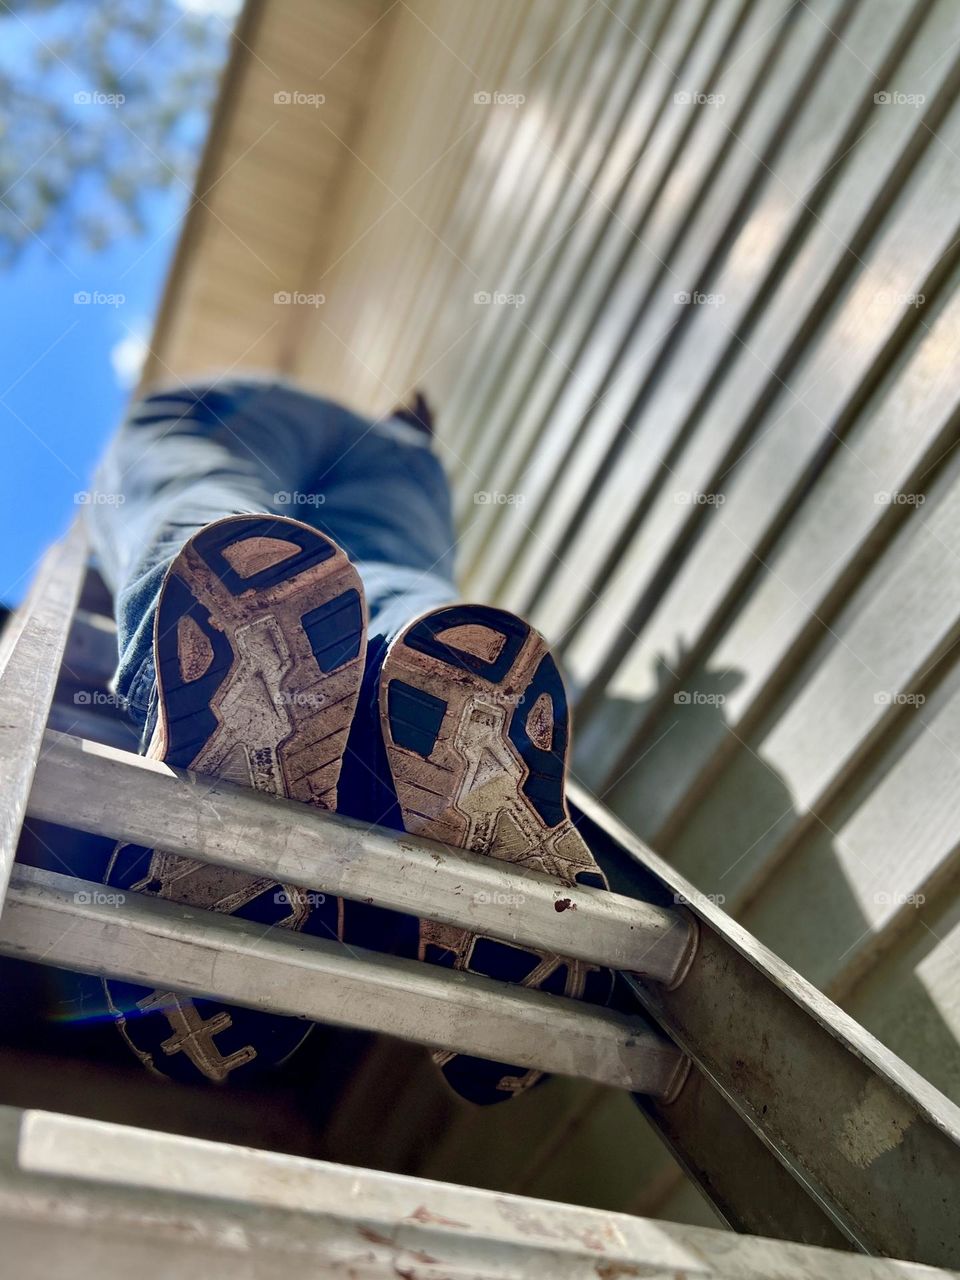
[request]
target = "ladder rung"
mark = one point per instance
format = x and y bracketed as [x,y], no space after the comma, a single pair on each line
[86,1199]
[101,790]
[76,924]
[91,652]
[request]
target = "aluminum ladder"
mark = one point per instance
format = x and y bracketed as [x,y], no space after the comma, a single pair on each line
[791,1118]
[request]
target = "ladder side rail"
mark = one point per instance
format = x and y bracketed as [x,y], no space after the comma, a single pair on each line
[740,1177]
[872,1141]
[85,703]
[30,659]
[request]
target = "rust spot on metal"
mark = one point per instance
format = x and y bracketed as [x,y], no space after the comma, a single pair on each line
[592,1239]
[598,1235]
[525,1220]
[423,1214]
[616,1270]
[564,904]
[375,1237]
[407,1269]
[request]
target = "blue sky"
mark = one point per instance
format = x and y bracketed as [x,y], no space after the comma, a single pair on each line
[60,392]
[66,368]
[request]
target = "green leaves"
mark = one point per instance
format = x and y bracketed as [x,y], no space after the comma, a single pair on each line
[101,105]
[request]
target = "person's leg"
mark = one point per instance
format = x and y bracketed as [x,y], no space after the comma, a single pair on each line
[185,461]
[189,456]
[477,734]
[242,642]
[259,645]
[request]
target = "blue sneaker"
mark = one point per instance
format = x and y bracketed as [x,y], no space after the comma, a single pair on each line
[259,642]
[476,728]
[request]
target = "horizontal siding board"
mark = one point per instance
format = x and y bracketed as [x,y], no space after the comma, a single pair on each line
[567,476]
[562,77]
[443,109]
[374,229]
[593,90]
[661,446]
[791,448]
[874,855]
[911,1001]
[840,705]
[818,123]
[706,191]
[573,360]
[455,177]
[600,171]
[836,708]
[555,269]
[909,424]
[576,297]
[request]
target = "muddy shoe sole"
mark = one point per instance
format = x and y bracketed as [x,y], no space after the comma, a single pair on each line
[259,642]
[476,728]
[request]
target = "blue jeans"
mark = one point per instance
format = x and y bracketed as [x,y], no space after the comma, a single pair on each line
[190,455]
[193,454]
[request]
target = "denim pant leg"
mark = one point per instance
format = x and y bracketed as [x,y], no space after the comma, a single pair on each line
[191,455]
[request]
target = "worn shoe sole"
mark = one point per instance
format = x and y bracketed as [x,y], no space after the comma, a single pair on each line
[476,729]
[259,642]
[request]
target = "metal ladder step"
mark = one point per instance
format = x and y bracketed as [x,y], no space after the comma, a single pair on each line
[103,791]
[87,1200]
